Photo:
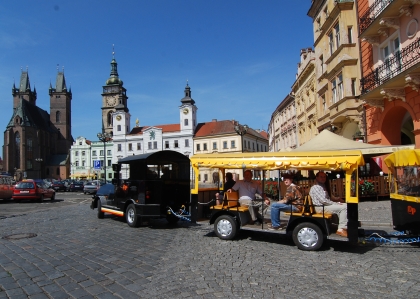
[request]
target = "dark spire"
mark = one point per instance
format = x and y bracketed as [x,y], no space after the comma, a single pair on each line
[187,96]
[113,78]
[24,84]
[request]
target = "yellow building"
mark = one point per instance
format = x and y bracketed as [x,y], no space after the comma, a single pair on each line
[305,97]
[337,69]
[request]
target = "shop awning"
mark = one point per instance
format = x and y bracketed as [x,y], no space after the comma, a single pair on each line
[328,141]
[320,160]
[403,158]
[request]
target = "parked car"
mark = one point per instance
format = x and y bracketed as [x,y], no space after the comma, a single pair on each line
[76,186]
[30,189]
[58,186]
[92,187]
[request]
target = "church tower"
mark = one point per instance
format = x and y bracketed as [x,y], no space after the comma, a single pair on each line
[24,91]
[188,112]
[60,112]
[114,94]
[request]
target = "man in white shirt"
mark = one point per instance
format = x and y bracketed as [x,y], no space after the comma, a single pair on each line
[247,190]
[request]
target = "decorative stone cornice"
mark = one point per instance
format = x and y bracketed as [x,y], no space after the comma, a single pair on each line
[383,31]
[390,22]
[375,103]
[406,10]
[412,81]
[373,40]
[393,94]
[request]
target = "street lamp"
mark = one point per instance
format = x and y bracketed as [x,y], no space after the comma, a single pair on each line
[241,130]
[104,137]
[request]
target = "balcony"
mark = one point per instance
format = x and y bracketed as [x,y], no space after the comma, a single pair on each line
[399,63]
[383,14]
[372,14]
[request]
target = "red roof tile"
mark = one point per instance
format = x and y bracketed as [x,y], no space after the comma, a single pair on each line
[165,129]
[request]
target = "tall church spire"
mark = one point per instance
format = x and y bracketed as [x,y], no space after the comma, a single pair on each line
[114,79]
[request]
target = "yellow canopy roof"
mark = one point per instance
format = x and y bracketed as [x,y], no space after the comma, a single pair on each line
[403,158]
[321,160]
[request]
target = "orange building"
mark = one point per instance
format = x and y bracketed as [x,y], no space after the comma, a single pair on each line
[390,57]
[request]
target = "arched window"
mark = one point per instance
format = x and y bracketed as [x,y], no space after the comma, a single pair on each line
[109,118]
[17,150]
[57,116]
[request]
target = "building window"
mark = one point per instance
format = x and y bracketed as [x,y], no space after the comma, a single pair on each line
[101,153]
[80,143]
[166,144]
[108,152]
[350,34]
[154,144]
[119,128]
[58,171]
[138,146]
[187,143]
[83,163]
[249,145]
[93,153]
[334,91]
[232,144]
[206,177]
[149,145]
[130,147]
[340,86]
[225,145]
[108,163]
[204,146]
[57,117]
[77,163]
[198,147]
[258,148]
[244,144]
[83,153]
[324,104]
[253,146]
[337,36]
[176,144]
[331,42]
[215,145]
[76,153]
[353,86]
[321,62]
[119,147]
[186,122]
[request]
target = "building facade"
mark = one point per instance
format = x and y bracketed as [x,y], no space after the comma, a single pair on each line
[36,143]
[304,90]
[337,68]
[221,137]
[390,51]
[282,130]
[148,139]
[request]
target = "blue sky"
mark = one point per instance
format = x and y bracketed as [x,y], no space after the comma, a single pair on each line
[240,57]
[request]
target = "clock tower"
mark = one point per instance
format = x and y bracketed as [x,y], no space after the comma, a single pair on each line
[188,112]
[113,95]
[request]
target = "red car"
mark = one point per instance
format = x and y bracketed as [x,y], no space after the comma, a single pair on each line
[30,189]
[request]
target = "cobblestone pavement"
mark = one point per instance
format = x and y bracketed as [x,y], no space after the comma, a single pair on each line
[76,255]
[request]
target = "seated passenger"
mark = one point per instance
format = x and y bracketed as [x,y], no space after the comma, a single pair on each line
[292,201]
[247,190]
[228,185]
[322,200]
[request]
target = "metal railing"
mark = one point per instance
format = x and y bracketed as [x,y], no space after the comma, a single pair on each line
[372,13]
[401,61]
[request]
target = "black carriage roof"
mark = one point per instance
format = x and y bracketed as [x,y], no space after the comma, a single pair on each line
[159,157]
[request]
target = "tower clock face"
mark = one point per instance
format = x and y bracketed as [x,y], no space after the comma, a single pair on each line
[185,110]
[118,117]
[111,101]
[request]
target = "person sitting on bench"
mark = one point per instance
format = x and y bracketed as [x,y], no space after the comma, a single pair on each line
[292,202]
[324,203]
[247,190]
